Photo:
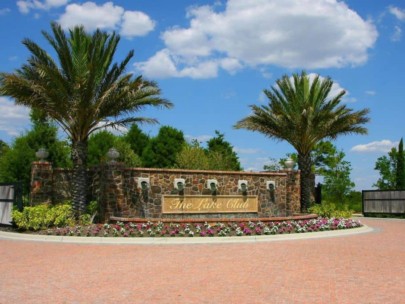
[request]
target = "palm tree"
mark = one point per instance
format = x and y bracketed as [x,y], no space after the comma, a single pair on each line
[302,112]
[83,92]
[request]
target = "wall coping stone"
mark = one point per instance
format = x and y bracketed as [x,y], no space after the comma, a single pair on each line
[265,173]
[295,217]
[43,163]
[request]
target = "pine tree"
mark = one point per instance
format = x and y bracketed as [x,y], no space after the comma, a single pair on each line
[400,168]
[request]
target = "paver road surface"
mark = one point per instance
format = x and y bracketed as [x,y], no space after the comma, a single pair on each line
[364,268]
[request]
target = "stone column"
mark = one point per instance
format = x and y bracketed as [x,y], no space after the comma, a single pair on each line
[41,182]
[112,198]
[293,192]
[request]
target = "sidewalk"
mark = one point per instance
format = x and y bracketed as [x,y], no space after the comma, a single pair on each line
[361,268]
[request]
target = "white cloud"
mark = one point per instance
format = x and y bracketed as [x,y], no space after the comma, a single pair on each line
[231,65]
[24,6]
[188,43]
[13,118]
[164,65]
[136,24]
[92,16]
[397,12]
[160,65]
[257,33]
[265,73]
[384,146]
[371,93]
[396,36]
[107,16]
[207,69]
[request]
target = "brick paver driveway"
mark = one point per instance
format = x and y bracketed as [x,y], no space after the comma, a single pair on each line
[365,268]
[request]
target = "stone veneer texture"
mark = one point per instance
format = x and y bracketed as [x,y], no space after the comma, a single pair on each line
[115,187]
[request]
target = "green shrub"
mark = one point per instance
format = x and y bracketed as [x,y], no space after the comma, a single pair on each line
[92,210]
[43,216]
[329,210]
[61,215]
[92,207]
[85,219]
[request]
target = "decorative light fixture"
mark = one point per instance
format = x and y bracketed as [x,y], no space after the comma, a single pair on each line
[212,184]
[271,185]
[42,154]
[144,186]
[143,183]
[289,164]
[179,185]
[113,155]
[242,186]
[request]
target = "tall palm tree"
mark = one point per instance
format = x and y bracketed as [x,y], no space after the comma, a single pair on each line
[302,112]
[83,91]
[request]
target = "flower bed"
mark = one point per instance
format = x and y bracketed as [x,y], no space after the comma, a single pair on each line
[160,229]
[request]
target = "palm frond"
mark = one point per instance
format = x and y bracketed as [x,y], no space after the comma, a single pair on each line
[302,112]
[83,86]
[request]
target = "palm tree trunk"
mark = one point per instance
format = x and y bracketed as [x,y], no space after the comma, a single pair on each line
[305,165]
[79,182]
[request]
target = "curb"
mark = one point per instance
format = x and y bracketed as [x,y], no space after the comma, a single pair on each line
[183,240]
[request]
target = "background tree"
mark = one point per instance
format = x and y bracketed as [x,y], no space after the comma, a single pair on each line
[136,139]
[218,155]
[337,184]
[293,156]
[192,156]
[386,166]
[273,165]
[15,162]
[98,146]
[3,147]
[302,112]
[102,141]
[161,150]
[354,201]
[83,92]
[222,154]
[400,168]
[391,169]
[329,163]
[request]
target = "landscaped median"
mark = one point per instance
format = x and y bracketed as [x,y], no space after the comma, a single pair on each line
[321,228]
[213,229]
[58,221]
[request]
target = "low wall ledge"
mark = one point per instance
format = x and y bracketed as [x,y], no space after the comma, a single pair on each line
[269,173]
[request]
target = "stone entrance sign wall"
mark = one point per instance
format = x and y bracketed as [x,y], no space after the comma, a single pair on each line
[118,191]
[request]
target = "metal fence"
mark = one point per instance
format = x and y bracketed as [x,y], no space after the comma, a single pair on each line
[384,201]
[10,194]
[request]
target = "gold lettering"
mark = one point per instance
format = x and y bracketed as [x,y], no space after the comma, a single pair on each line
[179,205]
[208,204]
[236,204]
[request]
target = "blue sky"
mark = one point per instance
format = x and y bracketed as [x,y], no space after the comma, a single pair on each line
[213,59]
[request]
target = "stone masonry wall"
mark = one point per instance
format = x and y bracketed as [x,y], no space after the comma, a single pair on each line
[116,189]
[41,182]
